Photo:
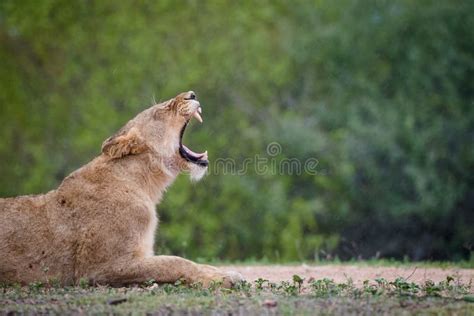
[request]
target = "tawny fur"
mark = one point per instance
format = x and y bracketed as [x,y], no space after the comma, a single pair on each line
[99,224]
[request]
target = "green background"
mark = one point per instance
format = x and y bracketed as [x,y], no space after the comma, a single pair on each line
[379,92]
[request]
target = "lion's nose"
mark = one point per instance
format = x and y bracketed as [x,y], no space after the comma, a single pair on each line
[191,96]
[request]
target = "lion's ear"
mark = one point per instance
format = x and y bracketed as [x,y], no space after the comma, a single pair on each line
[123,144]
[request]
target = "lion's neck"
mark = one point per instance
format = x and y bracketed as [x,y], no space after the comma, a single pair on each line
[139,173]
[151,175]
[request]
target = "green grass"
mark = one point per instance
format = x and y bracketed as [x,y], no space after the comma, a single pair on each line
[298,296]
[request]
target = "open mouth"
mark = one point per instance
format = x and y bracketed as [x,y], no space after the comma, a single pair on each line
[189,155]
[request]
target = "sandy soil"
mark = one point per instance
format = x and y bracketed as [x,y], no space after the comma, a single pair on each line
[340,273]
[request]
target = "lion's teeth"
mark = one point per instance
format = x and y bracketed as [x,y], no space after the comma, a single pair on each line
[199,110]
[197,116]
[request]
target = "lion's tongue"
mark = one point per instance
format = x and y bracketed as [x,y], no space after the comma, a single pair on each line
[194,154]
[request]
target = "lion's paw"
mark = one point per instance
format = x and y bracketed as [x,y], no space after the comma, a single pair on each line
[211,276]
[232,278]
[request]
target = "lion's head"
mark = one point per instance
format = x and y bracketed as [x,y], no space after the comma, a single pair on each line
[159,130]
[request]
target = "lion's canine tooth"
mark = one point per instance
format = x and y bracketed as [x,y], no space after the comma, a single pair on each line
[197,116]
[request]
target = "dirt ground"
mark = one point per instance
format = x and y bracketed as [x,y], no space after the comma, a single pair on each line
[341,273]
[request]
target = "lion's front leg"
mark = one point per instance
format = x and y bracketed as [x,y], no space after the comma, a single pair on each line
[166,269]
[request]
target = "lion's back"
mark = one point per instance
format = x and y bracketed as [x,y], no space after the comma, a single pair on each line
[26,238]
[21,212]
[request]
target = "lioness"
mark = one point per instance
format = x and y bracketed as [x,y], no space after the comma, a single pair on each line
[100,223]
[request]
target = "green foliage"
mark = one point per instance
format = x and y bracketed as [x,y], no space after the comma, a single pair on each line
[403,287]
[380,93]
[83,283]
[327,287]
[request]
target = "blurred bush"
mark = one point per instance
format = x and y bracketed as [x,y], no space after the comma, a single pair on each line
[379,92]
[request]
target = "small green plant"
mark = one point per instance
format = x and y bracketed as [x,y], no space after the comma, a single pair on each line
[453,287]
[272,286]
[180,282]
[326,287]
[169,288]
[150,282]
[259,283]
[288,288]
[83,283]
[35,287]
[54,282]
[368,288]
[404,288]
[244,287]
[198,286]
[382,282]
[431,289]
[298,281]
[215,285]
